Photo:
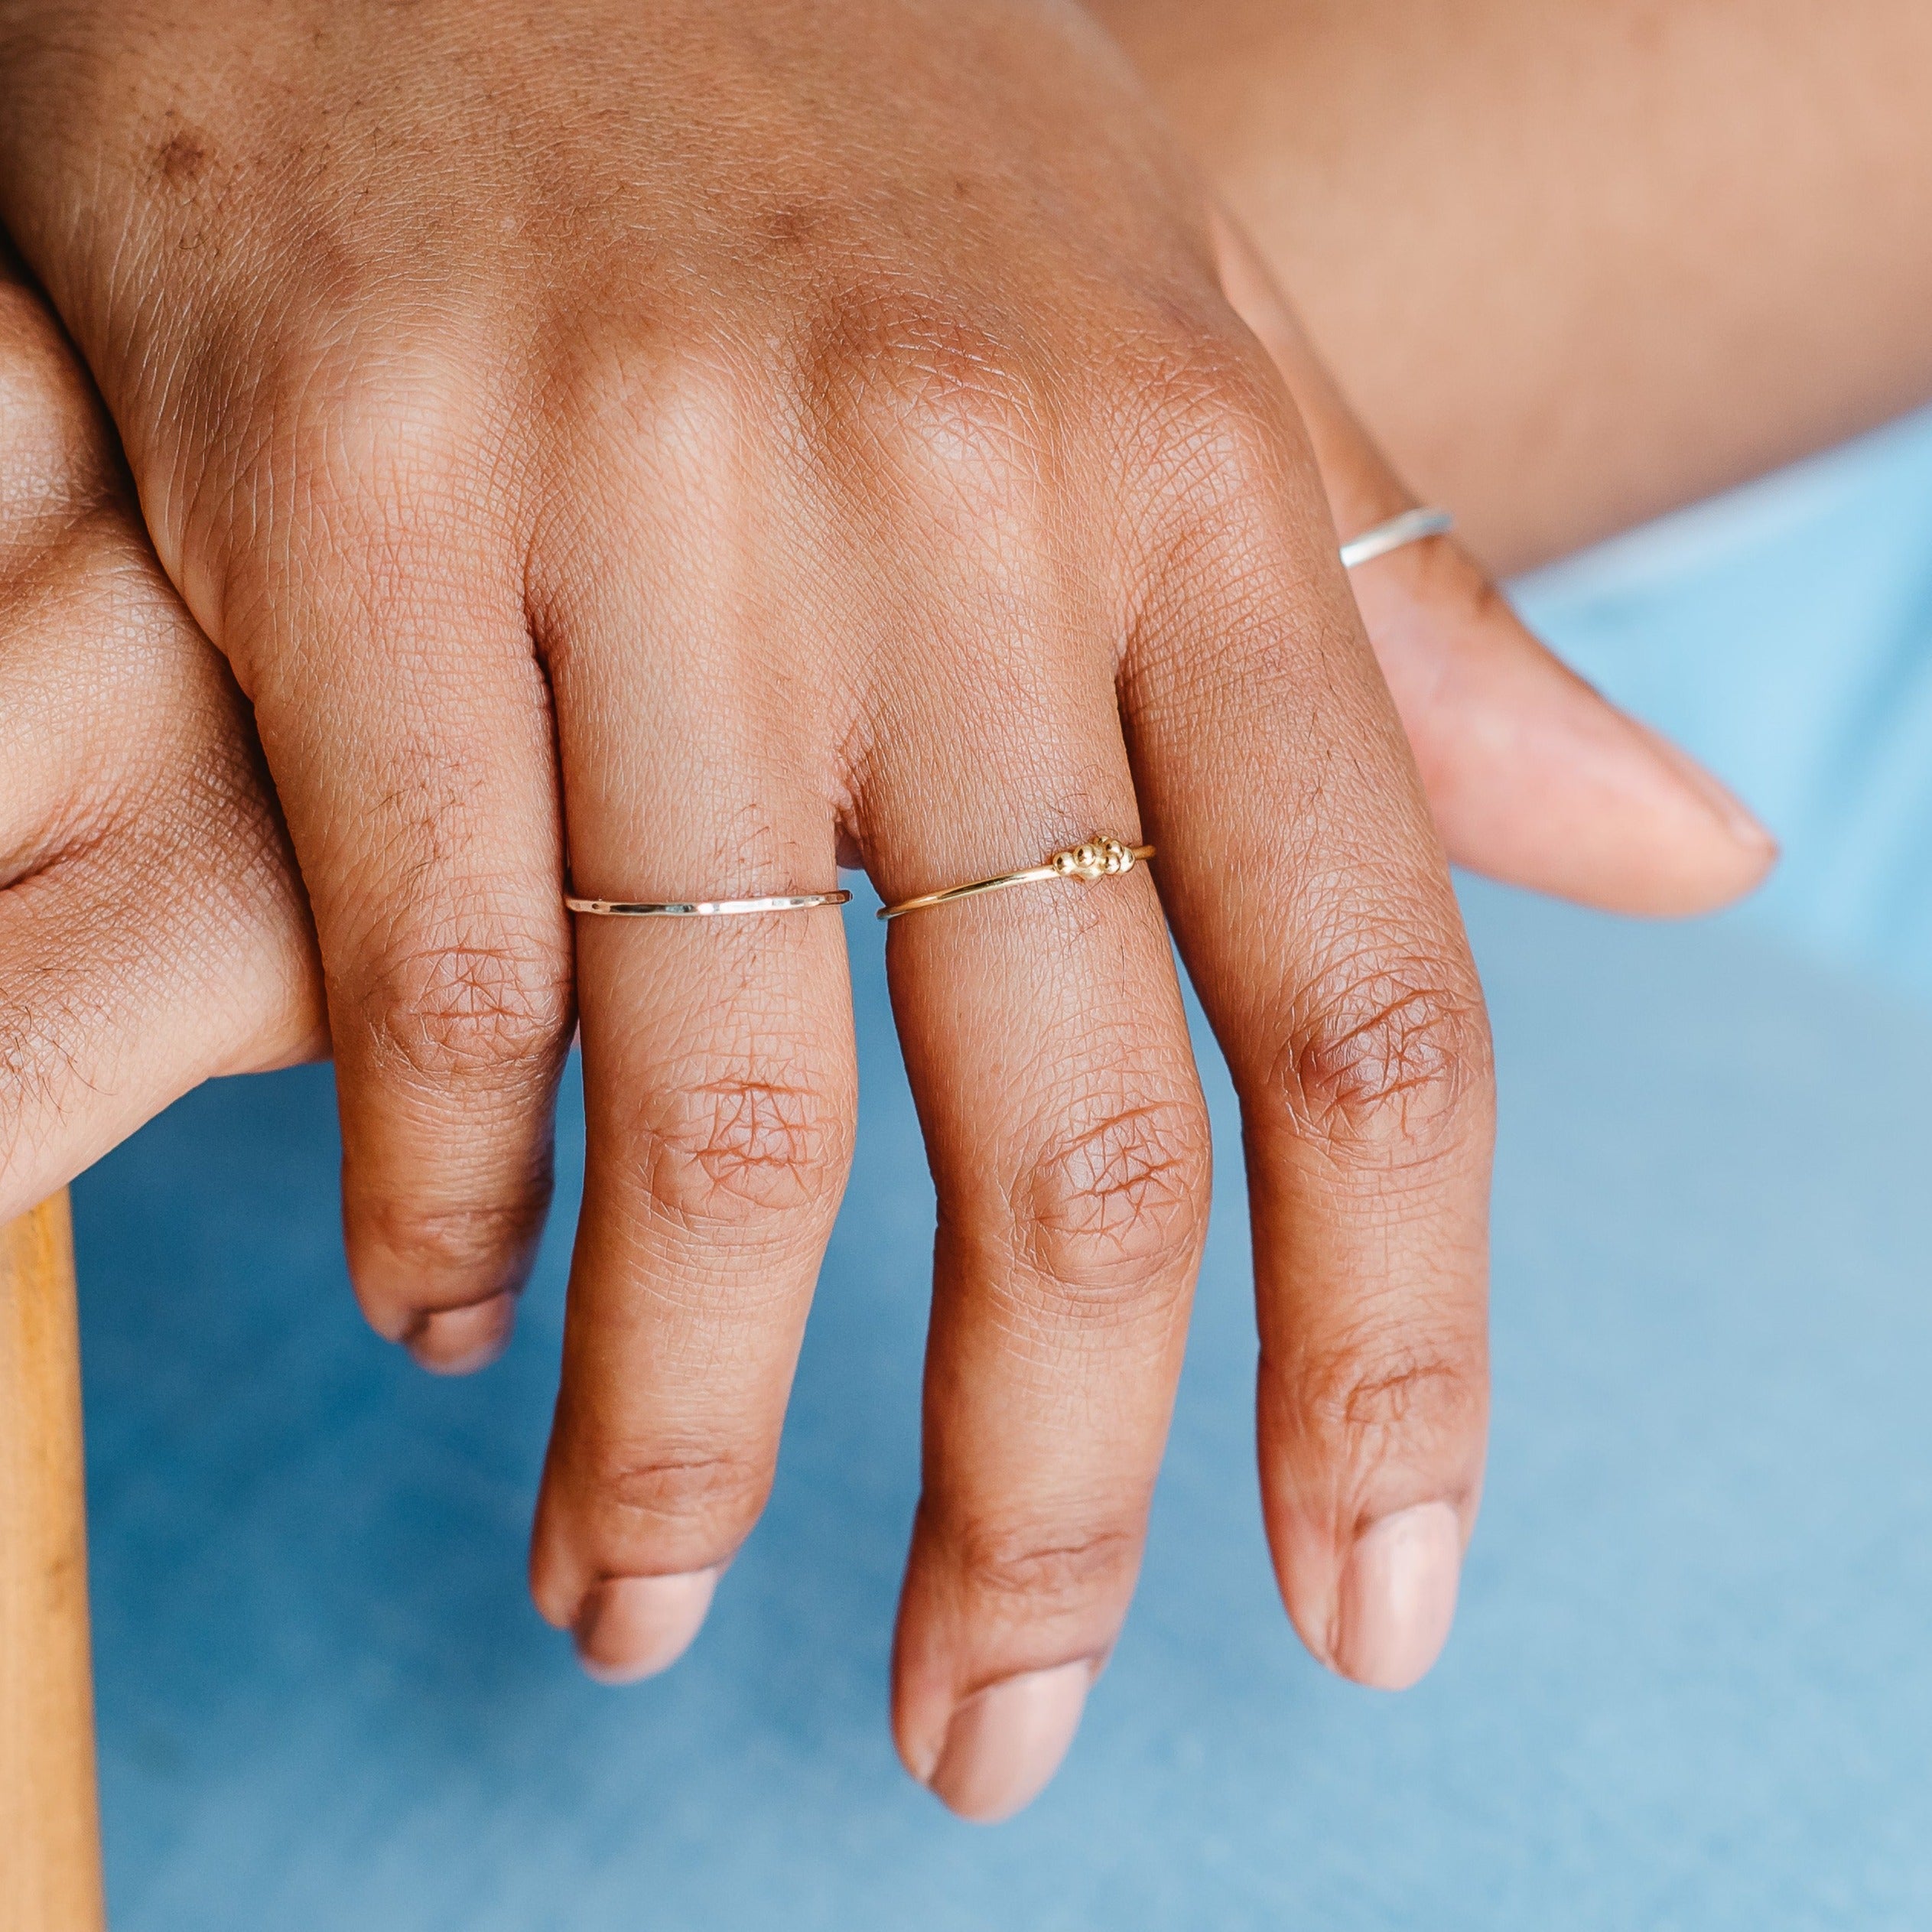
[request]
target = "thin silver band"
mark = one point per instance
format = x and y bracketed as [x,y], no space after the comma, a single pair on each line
[1410,527]
[703,908]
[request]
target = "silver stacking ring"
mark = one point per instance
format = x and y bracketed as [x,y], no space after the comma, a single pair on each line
[1412,526]
[703,908]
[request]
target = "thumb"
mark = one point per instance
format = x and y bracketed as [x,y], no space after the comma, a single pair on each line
[1534,778]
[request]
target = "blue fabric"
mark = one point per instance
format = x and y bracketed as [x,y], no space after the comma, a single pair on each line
[1785,633]
[1689,1685]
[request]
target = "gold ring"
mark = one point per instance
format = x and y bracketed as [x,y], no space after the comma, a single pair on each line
[1101,856]
[702,908]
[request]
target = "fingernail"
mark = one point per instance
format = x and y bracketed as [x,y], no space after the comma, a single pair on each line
[1737,819]
[1006,1741]
[454,1341]
[1398,1596]
[633,1627]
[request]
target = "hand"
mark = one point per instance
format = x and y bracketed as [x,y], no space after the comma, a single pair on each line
[843,471]
[152,932]
[119,991]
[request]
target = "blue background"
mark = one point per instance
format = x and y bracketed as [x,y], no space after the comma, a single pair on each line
[1689,1685]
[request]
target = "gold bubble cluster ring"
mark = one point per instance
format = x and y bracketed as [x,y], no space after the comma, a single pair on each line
[1101,856]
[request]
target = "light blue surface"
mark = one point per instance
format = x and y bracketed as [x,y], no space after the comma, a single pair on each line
[1689,1686]
[1785,633]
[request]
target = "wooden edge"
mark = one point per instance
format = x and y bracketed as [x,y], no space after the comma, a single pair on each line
[50,1825]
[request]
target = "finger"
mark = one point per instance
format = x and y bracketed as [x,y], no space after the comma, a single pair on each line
[152,935]
[1533,778]
[1310,901]
[407,723]
[1048,1052]
[720,1084]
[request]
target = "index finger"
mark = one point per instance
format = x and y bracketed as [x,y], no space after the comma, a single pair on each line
[1312,903]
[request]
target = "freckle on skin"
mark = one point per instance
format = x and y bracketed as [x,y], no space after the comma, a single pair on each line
[180,158]
[792,224]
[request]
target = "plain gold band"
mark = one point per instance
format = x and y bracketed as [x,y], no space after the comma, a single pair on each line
[1101,856]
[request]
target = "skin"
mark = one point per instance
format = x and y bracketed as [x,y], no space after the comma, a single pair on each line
[152,931]
[640,484]
[1577,263]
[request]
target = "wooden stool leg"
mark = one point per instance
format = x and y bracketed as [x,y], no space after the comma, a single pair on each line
[49,1827]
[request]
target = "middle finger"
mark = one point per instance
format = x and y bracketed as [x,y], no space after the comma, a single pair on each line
[1047,1050]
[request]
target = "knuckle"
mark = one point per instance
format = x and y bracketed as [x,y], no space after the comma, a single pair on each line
[1224,483]
[1118,1209]
[371,432]
[1207,408]
[391,459]
[467,1242]
[1038,1568]
[1387,1384]
[647,1488]
[674,407]
[491,1013]
[915,390]
[724,1146]
[1387,1057]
